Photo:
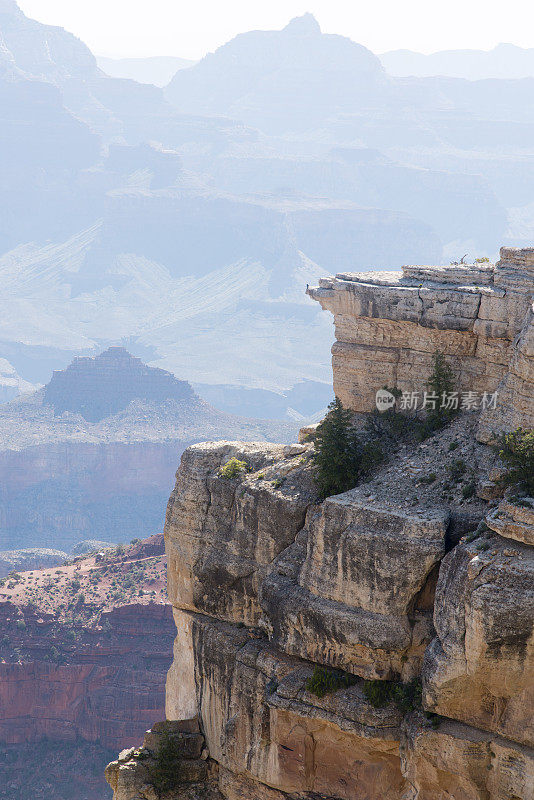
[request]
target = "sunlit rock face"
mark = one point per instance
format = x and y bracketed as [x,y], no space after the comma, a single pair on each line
[480,668]
[389,326]
[393,586]
[458,761]
[352,602]
[223,534]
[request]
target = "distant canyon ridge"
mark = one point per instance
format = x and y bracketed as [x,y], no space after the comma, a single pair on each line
[184,221]
[92,455]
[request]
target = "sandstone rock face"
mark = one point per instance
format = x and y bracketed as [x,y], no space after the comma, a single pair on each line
[222,534]
[389,325]
[379,644]
[458,762]
[513,521]
[346,584]
[351,602]
[259,720]
[480,668]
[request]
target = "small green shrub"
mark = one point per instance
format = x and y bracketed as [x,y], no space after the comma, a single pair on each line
[232,469]
[469,490]
[378,693]
[326,681]
[434,719]
[440,384]
[20,625]
[428,479]
[406,696]
[516,451]
[482,260]
[480,529]
[165,773]
[453,445]
[457,469]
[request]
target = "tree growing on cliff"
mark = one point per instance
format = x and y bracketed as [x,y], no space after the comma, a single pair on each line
[165,772]
[341,457]
[440,386]
[516,451]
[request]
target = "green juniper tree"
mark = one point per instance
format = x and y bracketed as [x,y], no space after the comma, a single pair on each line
[516,450]
[441,384]
[340,456]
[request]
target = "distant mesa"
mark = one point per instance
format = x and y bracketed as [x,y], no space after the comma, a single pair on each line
[30,558]
[303,25]
[105,385]
[90,546]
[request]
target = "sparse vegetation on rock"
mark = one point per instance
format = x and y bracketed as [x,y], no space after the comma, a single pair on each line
[326,681]
[406,696]
[516,451]
[165,771]
[233,469]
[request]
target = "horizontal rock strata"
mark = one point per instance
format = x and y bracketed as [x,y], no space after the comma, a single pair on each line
[379,644]
[389,325]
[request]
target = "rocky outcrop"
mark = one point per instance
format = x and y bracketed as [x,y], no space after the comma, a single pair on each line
[353,590]
[223,534]
[81,676]
[378,644]
[480,667]
[132,775]
[390,325]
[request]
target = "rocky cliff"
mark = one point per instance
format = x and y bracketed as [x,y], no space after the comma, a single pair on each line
[389,325]
[378,644]
[83,656]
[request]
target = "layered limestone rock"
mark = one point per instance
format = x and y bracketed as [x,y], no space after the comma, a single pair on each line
[266,582]
[389,325]
[480,668]
[222,534]
[513,521]
[263,725]
[348,592]
[457,762]
[276,595]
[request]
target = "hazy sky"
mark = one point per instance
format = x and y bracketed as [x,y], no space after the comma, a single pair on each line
[190,29]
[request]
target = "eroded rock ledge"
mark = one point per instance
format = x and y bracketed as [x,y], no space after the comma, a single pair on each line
[268,585]
[388,326]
